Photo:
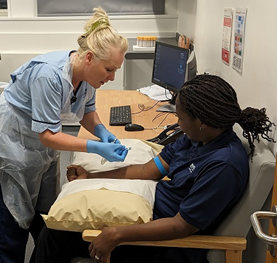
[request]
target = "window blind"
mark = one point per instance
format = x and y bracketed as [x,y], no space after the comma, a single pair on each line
[3,4]
[112,7]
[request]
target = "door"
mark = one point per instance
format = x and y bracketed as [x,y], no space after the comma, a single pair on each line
[271,238]
[273,227]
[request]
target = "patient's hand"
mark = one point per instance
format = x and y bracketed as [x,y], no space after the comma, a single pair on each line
[101,247]
[75,172]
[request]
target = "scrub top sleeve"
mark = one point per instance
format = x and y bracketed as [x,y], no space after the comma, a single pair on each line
[46,96]
[211,193]
[91,103]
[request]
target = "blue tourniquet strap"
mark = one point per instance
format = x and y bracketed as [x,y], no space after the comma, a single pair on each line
[160,166]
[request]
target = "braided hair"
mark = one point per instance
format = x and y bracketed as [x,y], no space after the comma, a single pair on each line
[214,102]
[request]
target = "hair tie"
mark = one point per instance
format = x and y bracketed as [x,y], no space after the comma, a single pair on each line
[97,24]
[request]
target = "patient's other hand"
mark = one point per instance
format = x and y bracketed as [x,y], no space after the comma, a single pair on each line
[75,172]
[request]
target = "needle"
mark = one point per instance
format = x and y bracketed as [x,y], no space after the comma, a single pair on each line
[103,160]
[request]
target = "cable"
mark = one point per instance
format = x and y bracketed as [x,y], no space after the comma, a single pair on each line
[166,114]
[159,115]
[143,108]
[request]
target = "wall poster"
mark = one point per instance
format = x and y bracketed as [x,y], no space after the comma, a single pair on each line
[227,34]
[240,21]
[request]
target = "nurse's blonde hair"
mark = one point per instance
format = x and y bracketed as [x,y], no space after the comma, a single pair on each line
[100,37]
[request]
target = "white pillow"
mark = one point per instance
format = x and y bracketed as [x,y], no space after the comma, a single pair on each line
[94,203]
[141,152]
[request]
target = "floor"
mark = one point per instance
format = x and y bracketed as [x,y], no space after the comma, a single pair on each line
[65,161]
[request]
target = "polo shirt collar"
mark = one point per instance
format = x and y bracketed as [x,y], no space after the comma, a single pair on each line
[216,143]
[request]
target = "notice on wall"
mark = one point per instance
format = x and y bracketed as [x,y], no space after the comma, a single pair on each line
[227,34]
[240,20]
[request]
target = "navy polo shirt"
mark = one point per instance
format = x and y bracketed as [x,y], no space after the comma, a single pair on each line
[206,181]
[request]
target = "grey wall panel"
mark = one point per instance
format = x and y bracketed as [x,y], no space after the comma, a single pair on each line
[84,7]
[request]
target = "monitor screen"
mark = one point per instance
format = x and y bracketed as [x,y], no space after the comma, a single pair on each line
[169,67]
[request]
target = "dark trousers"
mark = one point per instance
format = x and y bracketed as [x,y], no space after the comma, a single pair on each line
[55,246]
[13,239]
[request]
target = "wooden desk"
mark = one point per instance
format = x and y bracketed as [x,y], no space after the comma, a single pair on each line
[107,98]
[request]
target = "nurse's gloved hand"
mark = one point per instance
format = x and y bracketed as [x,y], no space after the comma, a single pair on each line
[105,136]
[111,152]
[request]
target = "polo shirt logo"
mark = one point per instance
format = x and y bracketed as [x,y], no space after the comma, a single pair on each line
[191,167]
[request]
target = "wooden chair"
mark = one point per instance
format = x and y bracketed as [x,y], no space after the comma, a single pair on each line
[228,242]
[233,246]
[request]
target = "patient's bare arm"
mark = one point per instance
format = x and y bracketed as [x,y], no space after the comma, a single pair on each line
[161,229]
[147,171]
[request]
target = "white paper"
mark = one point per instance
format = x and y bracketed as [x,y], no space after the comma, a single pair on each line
[143,49]
[156,92]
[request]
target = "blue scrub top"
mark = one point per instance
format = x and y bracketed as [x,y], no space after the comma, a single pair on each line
[41,88]
[205,180]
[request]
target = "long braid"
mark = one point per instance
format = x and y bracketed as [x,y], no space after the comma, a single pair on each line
[214,102]
[254,122]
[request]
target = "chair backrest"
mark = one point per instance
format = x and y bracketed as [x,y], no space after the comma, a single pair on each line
[261,178]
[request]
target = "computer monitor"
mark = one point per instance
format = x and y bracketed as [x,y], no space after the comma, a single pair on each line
[172,67]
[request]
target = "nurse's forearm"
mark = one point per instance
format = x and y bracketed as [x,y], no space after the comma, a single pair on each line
[62,141]
[89,121]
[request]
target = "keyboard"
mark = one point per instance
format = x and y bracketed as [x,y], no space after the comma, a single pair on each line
[120,115]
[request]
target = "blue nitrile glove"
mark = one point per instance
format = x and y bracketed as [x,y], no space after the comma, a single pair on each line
[105,136]
[111,152]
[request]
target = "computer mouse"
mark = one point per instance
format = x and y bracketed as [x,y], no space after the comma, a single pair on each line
[133,127]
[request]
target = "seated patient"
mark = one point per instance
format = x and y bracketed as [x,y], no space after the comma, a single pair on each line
[208,171]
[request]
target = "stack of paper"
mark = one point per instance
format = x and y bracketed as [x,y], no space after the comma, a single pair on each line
[143,49]
[156,92]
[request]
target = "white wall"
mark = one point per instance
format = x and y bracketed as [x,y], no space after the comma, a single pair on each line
[202,21]
[23,31]
[24,35]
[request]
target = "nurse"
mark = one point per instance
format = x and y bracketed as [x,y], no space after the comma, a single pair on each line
[44,92]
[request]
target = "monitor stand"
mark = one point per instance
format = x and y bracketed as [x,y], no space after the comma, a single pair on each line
[171,108]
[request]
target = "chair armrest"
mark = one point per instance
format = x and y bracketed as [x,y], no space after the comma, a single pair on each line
[232,245]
